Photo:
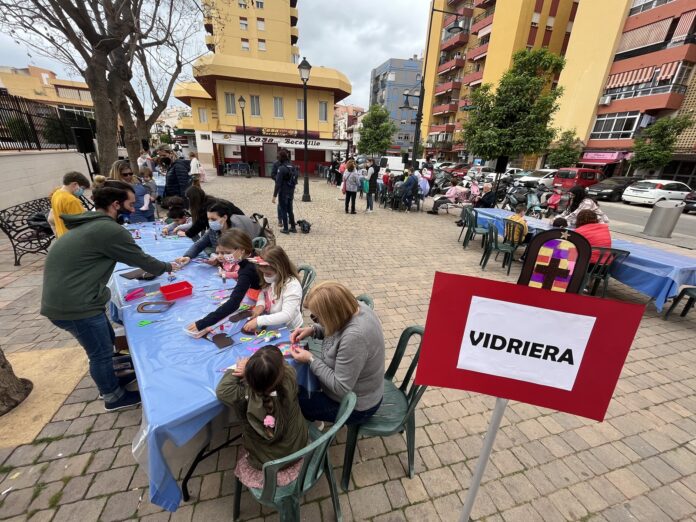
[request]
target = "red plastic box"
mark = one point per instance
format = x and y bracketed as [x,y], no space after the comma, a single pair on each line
[176,290]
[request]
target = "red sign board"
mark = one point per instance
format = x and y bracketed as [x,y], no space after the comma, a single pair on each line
[550,349]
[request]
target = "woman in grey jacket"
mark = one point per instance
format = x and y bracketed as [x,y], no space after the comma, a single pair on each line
[352,354]
[352,179]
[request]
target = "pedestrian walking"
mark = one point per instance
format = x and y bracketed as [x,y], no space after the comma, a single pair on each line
[351,182]
[286,181]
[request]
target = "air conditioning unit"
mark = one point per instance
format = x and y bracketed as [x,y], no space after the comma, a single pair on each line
[605,100]
[534,24]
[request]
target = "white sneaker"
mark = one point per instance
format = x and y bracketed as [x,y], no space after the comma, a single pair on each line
[369,212]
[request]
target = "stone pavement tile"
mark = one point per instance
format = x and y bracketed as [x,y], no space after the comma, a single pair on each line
[124,457]
[449,507]
[588,497]
[607,490]
[681,459]
[506,462]
[611,457]
[121,506]
[497,492]
[429,458]
[520,488]
[439,482]
[127,435]
[210,488]
[45,495]
[15,502]
[84,511]
[52,429]
[111,481]
[640,446]
[130,417]
[20,478]
[368,502]
[568,505]
[449,453]
[618,513]
[64,447]
[69,411]
[369,473]
[162,516]
[99,440]
[66,467]
[523,513]
[43,516]
[644,509]
[76,488]
[371,448]
[25,455]
[394,516]
[82,395]
[547,510]
[395,469]
[81,425]
[421,512]
[327,508]
[105,421]
[183,514]
[627,482]
[396,493]
[559,473]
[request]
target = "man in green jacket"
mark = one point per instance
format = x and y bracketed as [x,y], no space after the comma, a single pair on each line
[76,272]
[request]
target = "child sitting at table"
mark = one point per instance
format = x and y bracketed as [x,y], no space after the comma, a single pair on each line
[181,222]
[281,292]
[239,247]
[518,217]
[263,390]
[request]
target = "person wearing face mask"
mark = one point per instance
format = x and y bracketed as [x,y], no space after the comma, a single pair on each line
[218,222]
[65,200]
[281,292]
[77,269]
[178,171]
[239,244]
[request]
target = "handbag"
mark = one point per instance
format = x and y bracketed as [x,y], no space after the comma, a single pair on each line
[343,187]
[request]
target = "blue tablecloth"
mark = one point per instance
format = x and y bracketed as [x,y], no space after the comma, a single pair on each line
[653,272]
[177,374]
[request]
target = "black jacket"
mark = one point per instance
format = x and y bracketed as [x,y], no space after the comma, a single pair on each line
[282,187]
[178,178]
[372,182]
[487,200]
[201,222]
[248,278]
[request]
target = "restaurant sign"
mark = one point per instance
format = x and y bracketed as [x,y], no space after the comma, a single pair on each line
[271,131]
[290,143]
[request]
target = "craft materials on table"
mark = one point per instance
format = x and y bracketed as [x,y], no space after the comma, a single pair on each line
[154,307]
[145,322]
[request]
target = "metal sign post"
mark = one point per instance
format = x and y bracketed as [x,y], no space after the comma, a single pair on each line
[482,462]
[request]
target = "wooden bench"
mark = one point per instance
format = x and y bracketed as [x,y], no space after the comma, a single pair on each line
[24,239]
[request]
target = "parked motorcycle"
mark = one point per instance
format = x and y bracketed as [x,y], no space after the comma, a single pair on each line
[443,181]
[515,194]
[557,203]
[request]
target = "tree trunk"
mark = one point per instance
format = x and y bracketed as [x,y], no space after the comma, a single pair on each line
[13,390]
[104,116]
[133,142]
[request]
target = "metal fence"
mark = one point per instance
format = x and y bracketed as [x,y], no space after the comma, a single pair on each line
[30,125]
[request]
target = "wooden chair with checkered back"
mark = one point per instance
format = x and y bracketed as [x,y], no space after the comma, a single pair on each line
[556,260]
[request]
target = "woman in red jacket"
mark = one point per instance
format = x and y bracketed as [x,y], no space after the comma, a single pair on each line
[597,234]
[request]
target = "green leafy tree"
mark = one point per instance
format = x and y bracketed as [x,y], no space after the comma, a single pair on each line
[376,132]
[165,138]
[514,118]
[56,133]
[653,148]
[566,151]
[20,130]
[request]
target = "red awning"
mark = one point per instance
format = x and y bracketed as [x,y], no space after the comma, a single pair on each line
[597,162]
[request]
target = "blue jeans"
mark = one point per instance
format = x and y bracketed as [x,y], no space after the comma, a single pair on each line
[370,201]
[286,212]
[319,406]
[96,336]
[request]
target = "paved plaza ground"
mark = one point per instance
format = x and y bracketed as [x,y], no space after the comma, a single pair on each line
[640,464]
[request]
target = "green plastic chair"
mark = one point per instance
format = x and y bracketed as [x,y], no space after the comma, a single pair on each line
[364,298]
[307,275]
[494,245]
[686,292]
[598,273]
[286,499]
[259,243]
[472,228]
[397,411]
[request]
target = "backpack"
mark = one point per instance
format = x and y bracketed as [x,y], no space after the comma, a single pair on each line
[38,222]
[293,175]
[266,230]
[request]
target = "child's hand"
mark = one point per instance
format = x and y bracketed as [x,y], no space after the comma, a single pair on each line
[181,233]
[195,332]
[165,231]
[143,209]
[241,365]
[250,326]
[184,260]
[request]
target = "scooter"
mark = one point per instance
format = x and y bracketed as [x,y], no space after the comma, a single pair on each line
[442,182]
[557,203]
[515,195]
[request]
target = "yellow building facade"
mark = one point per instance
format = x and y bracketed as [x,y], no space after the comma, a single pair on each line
[44,86]
[254,55]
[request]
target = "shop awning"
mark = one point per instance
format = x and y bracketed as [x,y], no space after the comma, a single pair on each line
[643,36]
[667,70]
[633,77]
[682,29]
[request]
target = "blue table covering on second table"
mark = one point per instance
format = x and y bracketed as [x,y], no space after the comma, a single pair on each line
[653,272]
[177,374]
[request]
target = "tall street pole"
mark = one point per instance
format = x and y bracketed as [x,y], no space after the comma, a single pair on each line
[305,195]
[421,96]
[244,154]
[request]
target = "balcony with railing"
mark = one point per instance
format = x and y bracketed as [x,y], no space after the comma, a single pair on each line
[478,52]
[647,5]
[472,76]
[451,65]
[483,20]
[444,127]
[647,99]
[460,3]
[483,4]
[463,15]
[455,41]
[442,88]
[445,108]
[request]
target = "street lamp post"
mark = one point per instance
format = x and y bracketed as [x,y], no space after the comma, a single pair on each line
[454,29]
[304,69]
[242,105]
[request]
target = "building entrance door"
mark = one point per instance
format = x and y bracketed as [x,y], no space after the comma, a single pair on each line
[270,155]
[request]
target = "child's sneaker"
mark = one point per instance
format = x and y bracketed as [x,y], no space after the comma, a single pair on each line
[126,401]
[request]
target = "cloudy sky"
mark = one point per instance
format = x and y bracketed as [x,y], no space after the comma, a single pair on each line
[352,36]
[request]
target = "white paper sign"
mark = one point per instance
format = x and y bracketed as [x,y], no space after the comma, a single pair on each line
[523,342]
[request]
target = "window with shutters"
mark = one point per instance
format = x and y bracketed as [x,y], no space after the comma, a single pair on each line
[262,45]
[323,111]
[203,115]
[261,24]
[243,23]
[300,109]
[255,102]
[615,126]
[278,107]
[245,44]
[230,107]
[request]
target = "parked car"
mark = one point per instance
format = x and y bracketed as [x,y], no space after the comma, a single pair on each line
[538,177]
[459,167]
[690,201]
[567,178]
[611,188]
[650,191]
[443,165]
[481,171]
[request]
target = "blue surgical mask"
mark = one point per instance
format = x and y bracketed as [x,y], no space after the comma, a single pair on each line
[215,225]
[79,192]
